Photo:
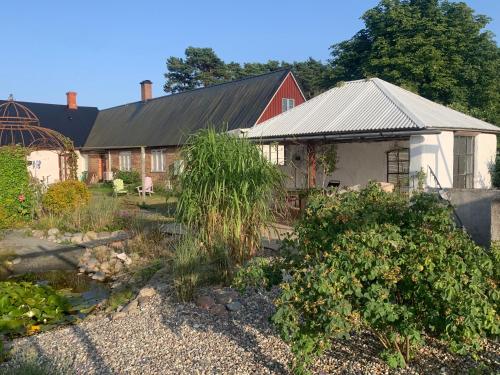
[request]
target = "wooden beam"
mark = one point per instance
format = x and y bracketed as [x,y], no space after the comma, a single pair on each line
[311,165]
[143,173]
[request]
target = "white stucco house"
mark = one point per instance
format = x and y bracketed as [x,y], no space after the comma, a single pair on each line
[381,132]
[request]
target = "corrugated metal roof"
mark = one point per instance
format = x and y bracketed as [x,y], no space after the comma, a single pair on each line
[365,106]
[169,120]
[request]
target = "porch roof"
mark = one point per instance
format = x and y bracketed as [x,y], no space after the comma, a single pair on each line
[366,106]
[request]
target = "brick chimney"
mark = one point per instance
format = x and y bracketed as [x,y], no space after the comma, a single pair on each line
[146,90]
[71,100]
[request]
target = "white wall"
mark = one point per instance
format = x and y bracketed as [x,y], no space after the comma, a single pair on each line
[435,151]
[485,154]
[45,165]
[357,163]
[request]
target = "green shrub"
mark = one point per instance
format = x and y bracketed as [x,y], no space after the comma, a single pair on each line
[188,267]
[226,190]
[65,196]
[15,193]
[399,268]
[128,177]
[24,306]
[258,273]
[495,173]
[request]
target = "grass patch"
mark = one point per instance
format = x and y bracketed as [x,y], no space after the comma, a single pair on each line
[119,298]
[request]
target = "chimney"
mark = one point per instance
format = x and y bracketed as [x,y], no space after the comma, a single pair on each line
[71,100]
[146,90]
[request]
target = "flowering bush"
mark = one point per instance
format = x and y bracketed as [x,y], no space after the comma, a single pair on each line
[65,196]
[399,268]
[15,193]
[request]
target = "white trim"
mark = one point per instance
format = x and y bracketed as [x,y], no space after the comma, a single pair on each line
[276,93]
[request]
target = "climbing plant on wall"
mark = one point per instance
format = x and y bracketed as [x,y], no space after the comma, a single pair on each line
[15,193]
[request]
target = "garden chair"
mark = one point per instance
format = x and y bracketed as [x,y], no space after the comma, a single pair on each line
[148,187]
[119,187]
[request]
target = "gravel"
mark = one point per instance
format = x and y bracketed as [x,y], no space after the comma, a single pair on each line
[166,337]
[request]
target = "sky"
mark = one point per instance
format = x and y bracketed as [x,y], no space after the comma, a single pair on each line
[102,49]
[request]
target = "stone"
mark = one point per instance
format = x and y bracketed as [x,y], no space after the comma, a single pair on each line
[223,298]
[91,235]
[53,232]
[77,238]
[119,233]
[147,292]
[119,315]
[105,267]
[92,265]
[205,302]
[125,258]
[51,238]
[99,276]
[16,261]
[132,307]
[118,267]
[117,245]
[67,234]
[103,235]
[218,309]
[38,233]
[386,186]
[234,306]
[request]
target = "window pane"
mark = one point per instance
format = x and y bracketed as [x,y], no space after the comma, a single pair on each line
[283,105]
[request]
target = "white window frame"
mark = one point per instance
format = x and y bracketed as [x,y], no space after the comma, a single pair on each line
[157,161]
[125,159]
[273,153]
[287,104]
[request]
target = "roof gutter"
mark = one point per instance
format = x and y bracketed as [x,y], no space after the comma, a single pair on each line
[347,137]
[101,148]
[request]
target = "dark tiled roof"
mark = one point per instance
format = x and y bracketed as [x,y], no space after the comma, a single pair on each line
[74,124]
[169,120]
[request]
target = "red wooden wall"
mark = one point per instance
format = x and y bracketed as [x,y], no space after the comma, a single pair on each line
[290,90]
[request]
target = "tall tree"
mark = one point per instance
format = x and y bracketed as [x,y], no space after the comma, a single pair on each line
[201,67]
[436,48]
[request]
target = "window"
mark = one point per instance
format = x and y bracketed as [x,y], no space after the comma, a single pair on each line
[463,162]
[287,104]
[274,153]
[178,167]
[125,161]
[157,161]
[398,163]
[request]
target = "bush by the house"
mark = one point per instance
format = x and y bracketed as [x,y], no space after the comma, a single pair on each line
[258,273]
[495,173]
[15,194]
[226,190]
[399,268]
[65,196]
[128,177]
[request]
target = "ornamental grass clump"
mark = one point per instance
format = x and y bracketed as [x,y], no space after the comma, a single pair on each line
[396,267]
[227,191]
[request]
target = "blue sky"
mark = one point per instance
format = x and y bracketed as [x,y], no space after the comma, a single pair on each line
[103,49]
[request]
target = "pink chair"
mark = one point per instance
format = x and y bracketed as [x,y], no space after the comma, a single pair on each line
[148,187]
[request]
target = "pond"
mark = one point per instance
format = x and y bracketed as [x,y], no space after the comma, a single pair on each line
[39,301]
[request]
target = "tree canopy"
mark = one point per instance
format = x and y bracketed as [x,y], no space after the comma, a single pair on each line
[202,67]
[436,48]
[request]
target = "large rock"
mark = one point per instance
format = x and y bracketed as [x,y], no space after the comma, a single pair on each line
[218,309]
[205,302]
[99,276]
[53,232]
[125,258]
[101,235]
[92,265]
[234,306]
[91,235]
[38,233]
[225,297]
[132,307]
[77,238]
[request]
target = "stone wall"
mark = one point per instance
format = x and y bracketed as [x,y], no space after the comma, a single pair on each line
[479,210]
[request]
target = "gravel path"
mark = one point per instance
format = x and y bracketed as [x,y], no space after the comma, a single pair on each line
[165,337]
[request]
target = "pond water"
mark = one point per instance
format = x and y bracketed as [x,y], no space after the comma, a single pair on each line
[82,292]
